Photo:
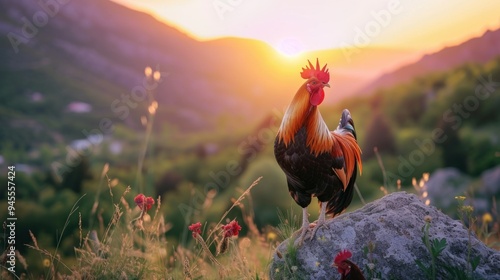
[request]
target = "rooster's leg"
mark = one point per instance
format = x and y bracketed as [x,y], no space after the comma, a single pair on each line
[304,228]
[321,219]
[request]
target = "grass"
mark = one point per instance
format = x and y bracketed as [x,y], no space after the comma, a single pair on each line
[290,268]
[133,246]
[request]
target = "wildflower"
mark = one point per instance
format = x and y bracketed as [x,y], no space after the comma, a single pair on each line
[294,268]
[427,219]
[156,75]
[195,228]
[149,202]
[152,108]
[487,218]
[425,176]
[371,266]
[143,202]
[460,198]
[467,209]
[139,199]
[245,243]
[46,262]
[384,190]
[231,229]
[271,236]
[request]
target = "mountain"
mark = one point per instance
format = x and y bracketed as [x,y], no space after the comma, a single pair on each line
[95,52]
[476,50]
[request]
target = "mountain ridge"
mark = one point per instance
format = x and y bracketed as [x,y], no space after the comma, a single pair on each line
[475,50]
[102,42]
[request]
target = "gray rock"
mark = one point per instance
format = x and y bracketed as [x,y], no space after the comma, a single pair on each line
[444,184]
[481,204]
[393,224]
[491,181]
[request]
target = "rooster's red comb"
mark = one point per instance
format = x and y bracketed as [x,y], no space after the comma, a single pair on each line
[320,73]
[342,256]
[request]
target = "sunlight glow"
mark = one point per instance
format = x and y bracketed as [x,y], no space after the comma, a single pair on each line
[289,47]
[417,25]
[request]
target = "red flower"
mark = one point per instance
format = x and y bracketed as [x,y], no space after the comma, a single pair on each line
[231,229]
[195,228]
[139,200]
[149,203]
[144,203]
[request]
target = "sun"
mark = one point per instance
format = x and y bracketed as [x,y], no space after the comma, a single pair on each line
[289,54]
[289,47]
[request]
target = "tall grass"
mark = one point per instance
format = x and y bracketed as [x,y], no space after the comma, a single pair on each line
[133,246]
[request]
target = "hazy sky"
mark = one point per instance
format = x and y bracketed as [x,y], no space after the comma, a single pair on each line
[295,25]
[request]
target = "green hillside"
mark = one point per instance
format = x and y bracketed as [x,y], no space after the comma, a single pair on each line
[451,118]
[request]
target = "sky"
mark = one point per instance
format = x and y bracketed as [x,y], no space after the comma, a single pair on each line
[294,26]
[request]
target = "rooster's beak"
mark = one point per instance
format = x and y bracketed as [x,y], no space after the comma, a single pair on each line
[326,85]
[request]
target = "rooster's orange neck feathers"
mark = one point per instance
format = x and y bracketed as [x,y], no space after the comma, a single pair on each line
[301,113]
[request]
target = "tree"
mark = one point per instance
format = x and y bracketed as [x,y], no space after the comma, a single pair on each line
[454,153]
[74,178]
[379,134]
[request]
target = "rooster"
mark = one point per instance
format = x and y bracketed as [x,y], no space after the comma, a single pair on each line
[316,161]
[347,269]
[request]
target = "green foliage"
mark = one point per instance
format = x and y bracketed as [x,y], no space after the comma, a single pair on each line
[290,268]
[436,246]
[271,194]
[409,108]
[371,268]
[482,146]
[454,101]
[379,135]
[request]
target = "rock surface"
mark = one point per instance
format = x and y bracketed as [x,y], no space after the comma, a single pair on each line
[491,181]
[444,184]
[393,224]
